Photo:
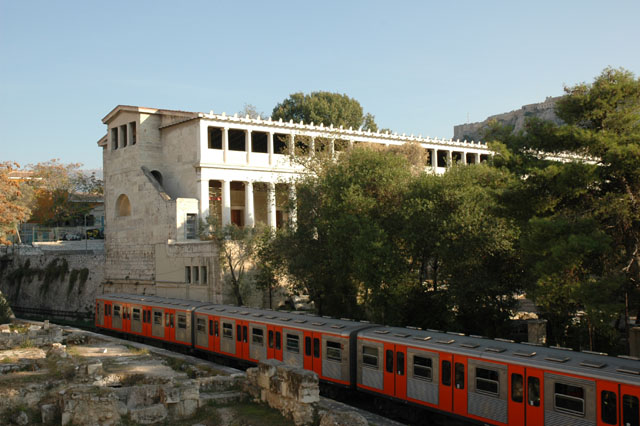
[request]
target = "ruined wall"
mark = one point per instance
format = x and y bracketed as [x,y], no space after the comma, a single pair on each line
[517,118]
[56,280]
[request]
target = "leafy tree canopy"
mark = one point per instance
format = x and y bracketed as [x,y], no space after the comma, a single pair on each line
[12,210]
[324,107]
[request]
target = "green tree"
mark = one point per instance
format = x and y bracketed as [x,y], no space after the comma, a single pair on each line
[324,107]
[12,209]
[581,217]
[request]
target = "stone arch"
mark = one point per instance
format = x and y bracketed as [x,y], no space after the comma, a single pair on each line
[156,174]
[123,206]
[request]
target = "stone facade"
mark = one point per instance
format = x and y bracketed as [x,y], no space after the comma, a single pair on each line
[167,171]
[517,118]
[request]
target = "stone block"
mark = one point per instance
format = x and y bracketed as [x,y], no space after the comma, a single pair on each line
[170,395]
[342,418]
[93,369]
[149,415]
[189,407]
[49,413]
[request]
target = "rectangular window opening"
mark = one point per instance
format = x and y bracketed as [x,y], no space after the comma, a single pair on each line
[608,407]
[187,274]
[517,387]
[422,368]
[182,321]
[133,134]
[459,375]
[446,373]
[191,227]
[257,336]
[400,363]
[259,142]
[389,361]
[114,138]
[157,318]
[293,343]
[533,391]
[280,143]
[215,137]
[334,351]
[370,357]
[569,399]
[203,274]
[237,140]
[227,330]
[196,274]
[487,381]
[201,325]
[123,135]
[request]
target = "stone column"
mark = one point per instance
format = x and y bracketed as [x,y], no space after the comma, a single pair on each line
[247,145]
[292,144]
[464,157]
[434,162]
[477,158]
[332,147]
[270,147]
[350,143]
[271,204]
[449,158]
[249,211]
[204,198]
[312,147]
[226,202]
[225,144]
[292,199]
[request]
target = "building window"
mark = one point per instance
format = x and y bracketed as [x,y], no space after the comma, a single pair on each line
[203,274]
[123,206]
[237,140]
[132,126]
[187,274]
[123,135]
[370,357]
[191,226]
[215,138]
[280,143]
[114,138]
[196,274]
[259,142]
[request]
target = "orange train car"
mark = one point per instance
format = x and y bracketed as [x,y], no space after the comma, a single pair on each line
[497,382]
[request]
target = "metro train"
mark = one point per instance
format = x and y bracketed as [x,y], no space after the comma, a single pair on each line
[491,381]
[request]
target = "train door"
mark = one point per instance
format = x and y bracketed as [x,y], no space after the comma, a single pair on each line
[274,339]
[107,314]
[445,401]
[401,372]
[317,353]
[630,405]
[388,375]
[607,406]
[534,397]
[460,385]
[146,323]
[516,395]
[212,332]
[242,339]
[170,325]
[126,318]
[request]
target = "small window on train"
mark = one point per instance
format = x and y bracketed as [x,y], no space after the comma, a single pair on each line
[201,325]
[400,363]
[307,346]
[227,330]
[136,314]
[278,340]
[257,336]
[517,387]
[293,343]
[370,356]
[316,348]
[459,375]
[116,311]
[608,407]
[487,381]
[157,318]
[215,331]
[388,361]
[533,391]
[446,373]
[334,351]
[422,368]
[171,320]
[569,399]
[630,411]
[271,338]
[166,320]
[210,327]
[239,333]
[182,321]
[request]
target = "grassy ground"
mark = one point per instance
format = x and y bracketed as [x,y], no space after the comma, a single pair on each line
[243,414]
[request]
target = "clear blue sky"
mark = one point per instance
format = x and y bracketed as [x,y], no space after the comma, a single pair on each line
[418,66]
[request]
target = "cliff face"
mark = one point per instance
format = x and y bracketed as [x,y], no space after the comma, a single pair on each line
[543,110]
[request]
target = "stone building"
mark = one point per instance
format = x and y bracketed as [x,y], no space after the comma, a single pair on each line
[165,171]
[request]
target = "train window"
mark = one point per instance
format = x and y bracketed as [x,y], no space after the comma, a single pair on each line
[389,361]
[107,310]
[227,330]
[569,399]
[307,346]
[400,363]
[533,391]
[459,375]
[157,318]
[171,318]
[316,348]
[630,412]
[370,356]
[422,368]
[334,351]
[446,373]
[239,333]
[517,387]
[244,333]
[293,343]
[257,336]
[210,327]
[182,321]
[271,338]
[278,339]
[487,381]
[136,314]
[608,407]
[201,325]
[166,320]
[116,311]
[216,328]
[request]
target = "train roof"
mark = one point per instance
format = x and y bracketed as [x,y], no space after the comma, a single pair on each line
[288,319]
[564,360]
[165,302]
